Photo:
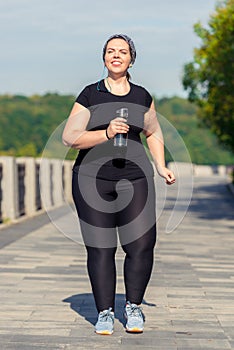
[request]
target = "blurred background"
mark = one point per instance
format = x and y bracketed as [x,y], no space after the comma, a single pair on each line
[51,49]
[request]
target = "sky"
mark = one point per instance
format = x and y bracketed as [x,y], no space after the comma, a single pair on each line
[56,45]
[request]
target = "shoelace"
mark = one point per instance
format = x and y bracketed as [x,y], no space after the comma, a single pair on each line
[135,311]
[105,315]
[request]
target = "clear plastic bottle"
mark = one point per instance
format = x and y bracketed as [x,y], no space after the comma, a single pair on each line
[121,140]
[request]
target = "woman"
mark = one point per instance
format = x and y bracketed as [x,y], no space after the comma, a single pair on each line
[113,186]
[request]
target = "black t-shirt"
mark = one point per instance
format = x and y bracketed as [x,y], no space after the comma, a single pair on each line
[106,161]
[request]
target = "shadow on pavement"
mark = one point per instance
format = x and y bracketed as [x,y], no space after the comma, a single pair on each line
[214,202]
[209,201]
[84,305]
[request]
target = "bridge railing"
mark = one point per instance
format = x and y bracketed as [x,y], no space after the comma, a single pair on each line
[29,185]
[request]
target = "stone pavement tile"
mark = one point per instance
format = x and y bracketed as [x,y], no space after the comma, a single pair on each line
[96,346]
[149,340]
[92,346]
[18,230]
[47,339]
[23,346]
[203,344]
[199,332]
[8,324]
[59,331]
[226,320]
[15,315]
[229,331]
[188,347]
[202,334]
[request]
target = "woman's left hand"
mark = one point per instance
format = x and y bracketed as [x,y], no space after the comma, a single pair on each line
[167,174]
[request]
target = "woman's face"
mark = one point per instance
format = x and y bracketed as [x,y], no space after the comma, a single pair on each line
[117,56]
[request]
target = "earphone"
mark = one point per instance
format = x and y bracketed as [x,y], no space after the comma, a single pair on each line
[99,81]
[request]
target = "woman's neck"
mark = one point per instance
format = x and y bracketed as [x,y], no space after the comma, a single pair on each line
[117,85]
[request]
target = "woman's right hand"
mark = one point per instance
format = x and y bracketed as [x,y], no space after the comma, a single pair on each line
[117,126]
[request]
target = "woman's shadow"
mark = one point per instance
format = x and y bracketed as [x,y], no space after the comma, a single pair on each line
[84,305]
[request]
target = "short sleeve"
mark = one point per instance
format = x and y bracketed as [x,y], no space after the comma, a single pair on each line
[84,97]
[148,99]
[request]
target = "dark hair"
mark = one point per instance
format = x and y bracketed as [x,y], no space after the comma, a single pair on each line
[128,76]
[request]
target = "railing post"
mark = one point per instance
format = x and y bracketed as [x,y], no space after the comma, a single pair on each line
[57,178]
[45,183]
[222,170]
[30,185]
[67,180]
[10,201]
[0,192]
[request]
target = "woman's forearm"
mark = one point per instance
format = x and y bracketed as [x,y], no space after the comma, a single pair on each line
[156,146]
[86,139]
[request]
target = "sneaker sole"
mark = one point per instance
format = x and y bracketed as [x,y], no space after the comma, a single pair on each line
[134,330]
[104,332]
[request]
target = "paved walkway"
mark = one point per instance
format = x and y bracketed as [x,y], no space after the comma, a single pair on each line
[46,301]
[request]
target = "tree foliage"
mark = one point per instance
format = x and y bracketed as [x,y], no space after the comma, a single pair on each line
[209,79]
[202,145]
[26,124]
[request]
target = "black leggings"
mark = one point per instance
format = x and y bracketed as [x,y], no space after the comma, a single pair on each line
[105,208]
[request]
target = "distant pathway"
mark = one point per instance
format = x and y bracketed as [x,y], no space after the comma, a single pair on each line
[46,302]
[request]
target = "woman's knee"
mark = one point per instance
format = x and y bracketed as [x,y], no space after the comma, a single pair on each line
[144,244]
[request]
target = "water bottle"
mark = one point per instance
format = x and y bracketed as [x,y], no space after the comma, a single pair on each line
[121,140]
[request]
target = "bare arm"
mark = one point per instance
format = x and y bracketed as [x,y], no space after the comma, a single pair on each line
[76,136]
[155,142]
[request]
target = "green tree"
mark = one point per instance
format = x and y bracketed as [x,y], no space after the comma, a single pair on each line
[209,79]
[27,123]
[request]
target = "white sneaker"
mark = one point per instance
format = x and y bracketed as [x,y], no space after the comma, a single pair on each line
[105,322]
[135,318]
